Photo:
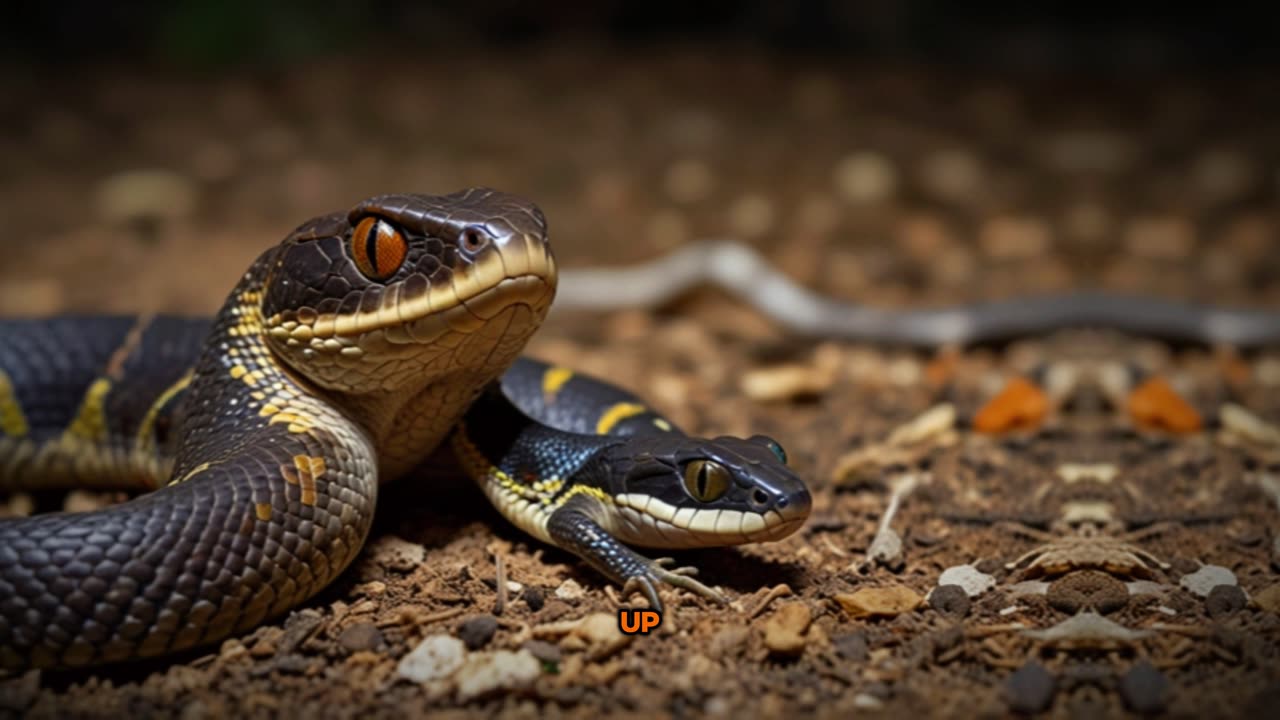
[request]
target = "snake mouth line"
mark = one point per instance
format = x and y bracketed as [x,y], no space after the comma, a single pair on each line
[415,312]
[646,520]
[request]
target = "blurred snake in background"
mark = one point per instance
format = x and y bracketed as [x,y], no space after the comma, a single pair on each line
[743,273]
[344,357]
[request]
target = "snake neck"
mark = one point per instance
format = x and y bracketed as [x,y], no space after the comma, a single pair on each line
[407,428]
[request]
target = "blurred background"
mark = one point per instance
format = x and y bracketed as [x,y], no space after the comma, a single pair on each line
[890,152]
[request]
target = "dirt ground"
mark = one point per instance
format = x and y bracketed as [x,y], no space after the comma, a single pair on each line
[1093,564]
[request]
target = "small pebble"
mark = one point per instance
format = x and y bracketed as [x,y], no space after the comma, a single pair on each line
[969,578]
[879,602]
[1203,581]
[1020,405]
[785,630]
[534,598]
[1145,587]
[689,181]
[1225,600]
[1030,689]
[476,632]
[950,600]
[361,636]
[436,657]
[1248,426]
[865,701]
[484,673]
[601,633]
[1029,587]
[1144,688]
[395,553]
[953,174]
[729,641]
[751,215]
[1160,238]
[570,590]
[1014,238]
[866,177]
[1155,405]
[785,382]
[544,651]
[853,646]
[925,427]
[1269,599]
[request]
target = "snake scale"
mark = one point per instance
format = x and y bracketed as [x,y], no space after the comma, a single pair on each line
[344,357]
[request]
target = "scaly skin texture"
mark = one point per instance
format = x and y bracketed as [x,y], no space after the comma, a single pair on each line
[276,441]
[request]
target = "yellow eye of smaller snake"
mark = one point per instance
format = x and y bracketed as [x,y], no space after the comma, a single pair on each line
[378,248]
[706,480]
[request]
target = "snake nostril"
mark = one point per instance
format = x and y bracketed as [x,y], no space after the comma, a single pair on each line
[473,240]
[783,502]
[760,497]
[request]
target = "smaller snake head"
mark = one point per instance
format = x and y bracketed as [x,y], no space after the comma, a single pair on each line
[403,290]
[674,491]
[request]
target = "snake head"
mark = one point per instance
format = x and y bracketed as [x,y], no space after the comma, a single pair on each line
[670,490]
[405,289]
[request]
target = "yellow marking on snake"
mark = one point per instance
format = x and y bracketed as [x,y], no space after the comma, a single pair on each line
[13,422]
[310,468]
[552,380]
[238,371]
[192,473]
[263,511]
[90,422]
[662,424]
[143,440]
[297,423]
[617,414]
[594,492]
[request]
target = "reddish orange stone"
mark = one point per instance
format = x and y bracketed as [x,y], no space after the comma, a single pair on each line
[1021,405]
[1154,405]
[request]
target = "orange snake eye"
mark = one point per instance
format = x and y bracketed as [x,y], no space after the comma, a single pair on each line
[378,248]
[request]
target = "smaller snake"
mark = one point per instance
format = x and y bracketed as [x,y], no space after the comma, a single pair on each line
[344,357]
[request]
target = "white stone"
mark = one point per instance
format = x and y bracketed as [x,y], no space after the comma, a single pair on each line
[436,657]
[569,590]
[486,672]
[1208,577]
[973,581]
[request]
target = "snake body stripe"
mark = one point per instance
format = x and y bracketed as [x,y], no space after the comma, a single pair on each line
[68,374]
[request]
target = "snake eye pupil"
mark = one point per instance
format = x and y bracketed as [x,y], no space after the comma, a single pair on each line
[705,480]
[378,248]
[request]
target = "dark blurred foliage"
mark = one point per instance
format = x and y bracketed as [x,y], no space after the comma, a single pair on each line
[1028,35]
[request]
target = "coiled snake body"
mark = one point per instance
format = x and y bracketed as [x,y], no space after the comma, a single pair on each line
[344,357]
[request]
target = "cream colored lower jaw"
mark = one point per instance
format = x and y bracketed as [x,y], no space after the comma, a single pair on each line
[644,520]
